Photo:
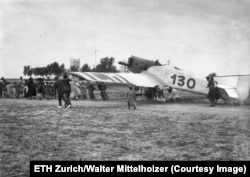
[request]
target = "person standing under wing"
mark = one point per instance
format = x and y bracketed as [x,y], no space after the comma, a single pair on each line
[130,96]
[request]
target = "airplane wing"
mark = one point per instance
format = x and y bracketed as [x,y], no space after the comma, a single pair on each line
[141,80]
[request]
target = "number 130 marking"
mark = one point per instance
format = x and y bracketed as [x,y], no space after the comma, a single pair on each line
[181,81]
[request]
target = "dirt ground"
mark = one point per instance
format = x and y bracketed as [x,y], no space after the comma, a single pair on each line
[107,130]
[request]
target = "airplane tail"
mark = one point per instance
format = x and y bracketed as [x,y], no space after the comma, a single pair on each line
[236,85]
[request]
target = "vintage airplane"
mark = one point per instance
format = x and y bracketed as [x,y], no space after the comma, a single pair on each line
[149,74]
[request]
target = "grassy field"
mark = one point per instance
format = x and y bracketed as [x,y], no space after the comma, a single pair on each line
[38,130]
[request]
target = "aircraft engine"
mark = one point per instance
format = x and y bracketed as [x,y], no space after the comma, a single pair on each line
[137,65]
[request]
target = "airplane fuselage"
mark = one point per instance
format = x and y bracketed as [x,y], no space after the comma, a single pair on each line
[180,79]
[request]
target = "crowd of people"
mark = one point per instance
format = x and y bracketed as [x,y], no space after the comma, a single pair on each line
[65,90]
[50,89]
[156,93]
[30,89]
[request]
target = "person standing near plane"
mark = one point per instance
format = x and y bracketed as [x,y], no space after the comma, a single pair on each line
[91,89]
[4,88]
[173,95]
[59,89]
[63,91]
[31,88]
[130,96]
[66,90]
[40,89]
[21,87]
[46,90]
[212,93]
[102,87]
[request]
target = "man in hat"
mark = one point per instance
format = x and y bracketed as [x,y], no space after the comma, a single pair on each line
[130,96]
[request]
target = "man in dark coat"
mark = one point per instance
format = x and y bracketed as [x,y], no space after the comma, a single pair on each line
[102,87]
[31,88]
[63,89]
[59,88]
[91,89]
[213,93]
[3,87]
[66,90]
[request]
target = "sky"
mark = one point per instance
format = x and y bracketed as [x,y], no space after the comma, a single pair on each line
[202,36]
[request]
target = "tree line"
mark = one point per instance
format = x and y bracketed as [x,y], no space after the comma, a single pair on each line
[106,65]
[51,69]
